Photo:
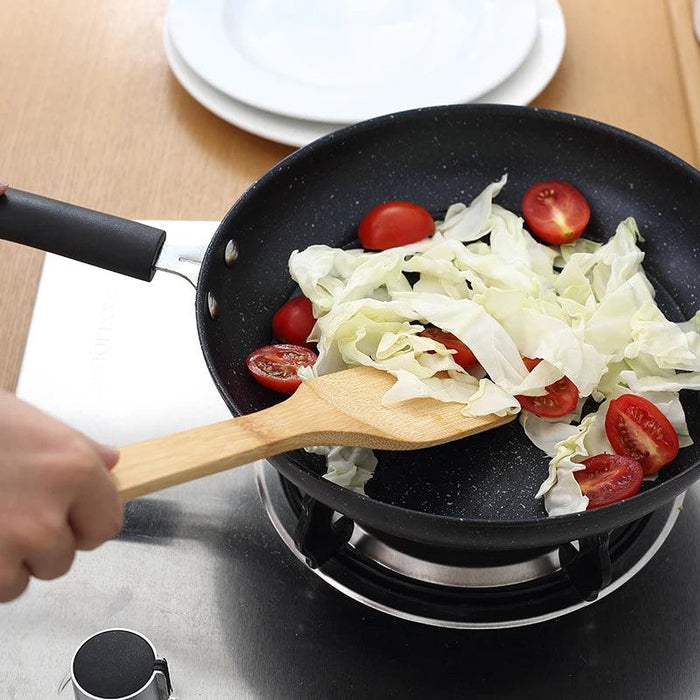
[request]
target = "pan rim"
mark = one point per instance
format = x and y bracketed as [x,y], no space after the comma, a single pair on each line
[588,521]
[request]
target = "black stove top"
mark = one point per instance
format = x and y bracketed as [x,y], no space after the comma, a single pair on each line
[639,642]
[201,571]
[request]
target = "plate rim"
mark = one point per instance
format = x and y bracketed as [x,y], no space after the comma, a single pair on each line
[271,94]
[284,129]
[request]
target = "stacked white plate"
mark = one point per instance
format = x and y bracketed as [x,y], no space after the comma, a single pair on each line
[295,71]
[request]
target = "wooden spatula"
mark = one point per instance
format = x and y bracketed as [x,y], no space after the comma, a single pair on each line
[338,409]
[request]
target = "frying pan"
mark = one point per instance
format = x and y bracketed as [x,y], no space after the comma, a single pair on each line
[475,494]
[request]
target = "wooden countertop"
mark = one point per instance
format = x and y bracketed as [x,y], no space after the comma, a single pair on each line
[91,114]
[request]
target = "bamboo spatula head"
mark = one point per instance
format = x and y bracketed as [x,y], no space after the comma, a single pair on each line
[356,416]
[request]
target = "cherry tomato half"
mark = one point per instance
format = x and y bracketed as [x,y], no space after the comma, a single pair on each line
[464,357]
[293,321]
[275,366]
[637,429]
[394,224]
[555,211]
[609,478]
[561,397]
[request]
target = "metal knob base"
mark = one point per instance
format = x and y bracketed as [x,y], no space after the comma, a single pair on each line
[116,664]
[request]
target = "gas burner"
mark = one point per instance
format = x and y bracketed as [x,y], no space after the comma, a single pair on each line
[465,590]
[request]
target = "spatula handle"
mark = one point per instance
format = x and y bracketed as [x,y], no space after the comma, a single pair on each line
[343,408]
[175,459]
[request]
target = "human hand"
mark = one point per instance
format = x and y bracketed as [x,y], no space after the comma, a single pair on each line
[56,495]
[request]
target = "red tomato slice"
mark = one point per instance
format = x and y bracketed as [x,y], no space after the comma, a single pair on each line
[609,478]
[293,321]
[561,397]
[395,224]
[555,211]
[275,366]
[464,357]
[637,429]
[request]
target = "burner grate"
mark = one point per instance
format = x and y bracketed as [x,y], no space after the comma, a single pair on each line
[464,592]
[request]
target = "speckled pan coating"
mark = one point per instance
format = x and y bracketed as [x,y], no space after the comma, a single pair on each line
[477,493]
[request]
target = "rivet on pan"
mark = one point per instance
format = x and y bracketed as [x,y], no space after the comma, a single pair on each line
[231,253]
[213,306]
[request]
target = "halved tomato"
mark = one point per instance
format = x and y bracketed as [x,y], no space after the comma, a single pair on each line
[275,366]
[464,357]
[555,211]
[637,429]
[395,224]
[561,397]
[609,478]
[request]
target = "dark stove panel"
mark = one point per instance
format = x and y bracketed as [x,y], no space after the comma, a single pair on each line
[202,573]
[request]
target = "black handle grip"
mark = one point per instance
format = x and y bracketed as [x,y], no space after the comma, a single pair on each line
[106,241]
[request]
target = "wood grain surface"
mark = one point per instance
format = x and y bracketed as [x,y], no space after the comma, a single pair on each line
[91,114]
[688,49]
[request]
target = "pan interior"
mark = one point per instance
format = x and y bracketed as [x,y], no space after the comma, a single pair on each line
[437,157]
[459,475]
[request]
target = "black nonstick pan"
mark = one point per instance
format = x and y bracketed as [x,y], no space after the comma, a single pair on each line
[476,494]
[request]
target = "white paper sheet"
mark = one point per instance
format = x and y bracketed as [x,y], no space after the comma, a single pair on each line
[117,358]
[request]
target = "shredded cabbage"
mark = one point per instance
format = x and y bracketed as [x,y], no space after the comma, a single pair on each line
[351,467]
[587,310]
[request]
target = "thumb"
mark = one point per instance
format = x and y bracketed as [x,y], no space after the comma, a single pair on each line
[109,454]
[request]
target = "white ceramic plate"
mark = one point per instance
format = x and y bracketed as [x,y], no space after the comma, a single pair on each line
[295,132]
[519,89]
[348,60]
[541,64]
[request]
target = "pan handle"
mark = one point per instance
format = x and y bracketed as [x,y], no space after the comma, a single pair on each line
[106,241]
